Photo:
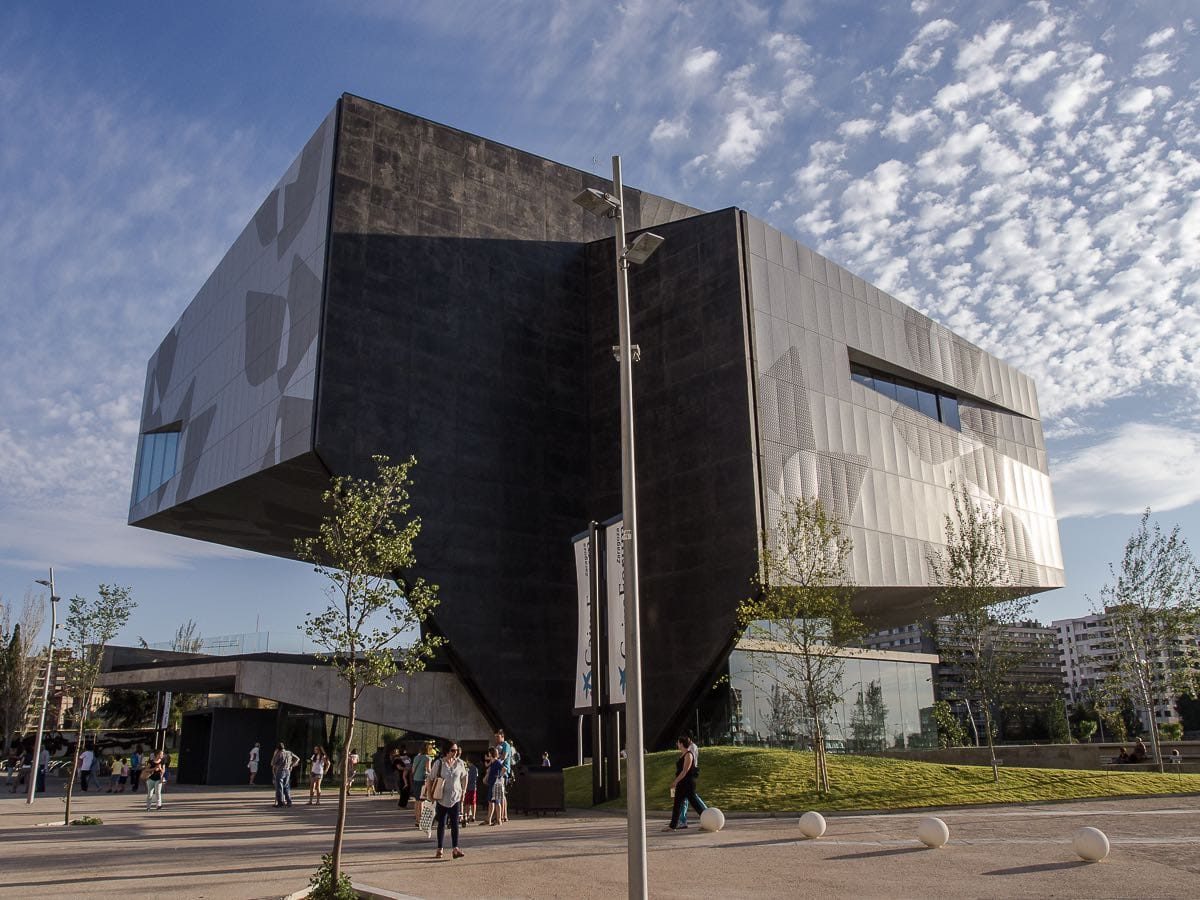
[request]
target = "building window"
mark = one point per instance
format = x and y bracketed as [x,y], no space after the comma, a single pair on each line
[156,460]
[937,405]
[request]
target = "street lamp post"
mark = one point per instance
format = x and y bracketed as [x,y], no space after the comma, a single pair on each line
[612,206]
[35,761]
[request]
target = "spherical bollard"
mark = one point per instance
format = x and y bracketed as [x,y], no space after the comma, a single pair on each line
[1090,843]
[712,819]
[932,832]
[812,824]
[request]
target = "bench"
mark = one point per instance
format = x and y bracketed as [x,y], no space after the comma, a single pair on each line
[1108,763]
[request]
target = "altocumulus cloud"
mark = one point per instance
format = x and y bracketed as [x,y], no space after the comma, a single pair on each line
[115,213]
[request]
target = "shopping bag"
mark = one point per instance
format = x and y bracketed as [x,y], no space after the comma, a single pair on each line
[426,823]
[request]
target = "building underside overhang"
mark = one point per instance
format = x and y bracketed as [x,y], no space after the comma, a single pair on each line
[432,702]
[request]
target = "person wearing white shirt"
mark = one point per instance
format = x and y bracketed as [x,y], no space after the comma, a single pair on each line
[86,758]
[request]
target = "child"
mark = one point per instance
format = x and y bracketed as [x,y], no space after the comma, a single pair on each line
[114,774]
[468,802]
[124,779]
[371,782]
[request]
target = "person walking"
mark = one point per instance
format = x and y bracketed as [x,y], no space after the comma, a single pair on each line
[43,770]
[156,774]
[684,785]
[282,764]
[419,770]
[353,769]
[545,759]
[252,763]
[700,806]
[317,763]
[86,759]
[404,771]
[450,775]
[136,761]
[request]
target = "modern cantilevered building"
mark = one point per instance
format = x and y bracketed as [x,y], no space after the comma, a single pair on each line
[411,289]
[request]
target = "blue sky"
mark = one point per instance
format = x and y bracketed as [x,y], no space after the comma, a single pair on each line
[1027,173]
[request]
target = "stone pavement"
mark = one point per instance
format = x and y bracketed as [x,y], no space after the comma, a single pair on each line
[232,843]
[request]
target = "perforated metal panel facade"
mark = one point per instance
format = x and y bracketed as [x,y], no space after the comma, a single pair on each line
[882,467]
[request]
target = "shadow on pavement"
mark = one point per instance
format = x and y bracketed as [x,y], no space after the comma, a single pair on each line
[1040,867]
[872,854]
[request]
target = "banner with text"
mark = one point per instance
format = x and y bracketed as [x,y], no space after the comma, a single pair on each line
[614,570]
[585,695]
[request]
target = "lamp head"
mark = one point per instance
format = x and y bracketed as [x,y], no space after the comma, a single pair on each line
[41,581]
[598,203]
[643,247]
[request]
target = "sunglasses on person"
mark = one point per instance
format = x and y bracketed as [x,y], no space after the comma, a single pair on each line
[453,750]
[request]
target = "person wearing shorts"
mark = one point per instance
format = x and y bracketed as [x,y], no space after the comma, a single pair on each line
[252,763]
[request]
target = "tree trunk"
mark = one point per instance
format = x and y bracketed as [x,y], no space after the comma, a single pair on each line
[74,770]
[344,789]
[1148,701]
[987,725]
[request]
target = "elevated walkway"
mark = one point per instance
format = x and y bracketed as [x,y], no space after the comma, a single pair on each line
[432,702]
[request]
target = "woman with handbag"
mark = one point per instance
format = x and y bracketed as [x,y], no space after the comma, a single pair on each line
[445,787]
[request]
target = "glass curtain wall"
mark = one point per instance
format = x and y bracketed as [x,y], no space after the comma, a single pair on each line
[885,704]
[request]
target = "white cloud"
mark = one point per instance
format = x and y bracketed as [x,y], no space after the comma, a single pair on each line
[1159,37]
[1133,101]
[668,131]
[853,128]
[901,127]
[1036,35]
[1074,89]
[876,197]
[1139,465]
[981,48]
[700,61]
[922,53]
[1152,65]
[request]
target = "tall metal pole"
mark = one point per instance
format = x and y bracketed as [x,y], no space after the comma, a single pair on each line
[635,770]
[36,760]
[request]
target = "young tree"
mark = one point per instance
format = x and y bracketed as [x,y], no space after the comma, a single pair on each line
[977,608]
[18,664]
[950,729]
[187,639]
[1057,725]
[365,550]
[1152,611]
[802,612]
[90,625]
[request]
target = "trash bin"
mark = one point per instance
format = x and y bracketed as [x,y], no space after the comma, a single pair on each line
[537,790]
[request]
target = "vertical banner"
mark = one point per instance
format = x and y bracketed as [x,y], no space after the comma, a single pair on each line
[166,711]
[585,693]
[614,570]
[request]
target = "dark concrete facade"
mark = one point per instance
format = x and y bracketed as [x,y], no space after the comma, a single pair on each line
[467,313]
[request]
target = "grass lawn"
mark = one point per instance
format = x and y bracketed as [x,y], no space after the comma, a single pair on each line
[767,780]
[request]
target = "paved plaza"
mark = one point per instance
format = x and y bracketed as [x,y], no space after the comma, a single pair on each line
[232,843]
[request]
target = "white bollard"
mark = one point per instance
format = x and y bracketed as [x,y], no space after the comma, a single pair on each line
[932,832]
[712,819]
[1090,843]
[812,824]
